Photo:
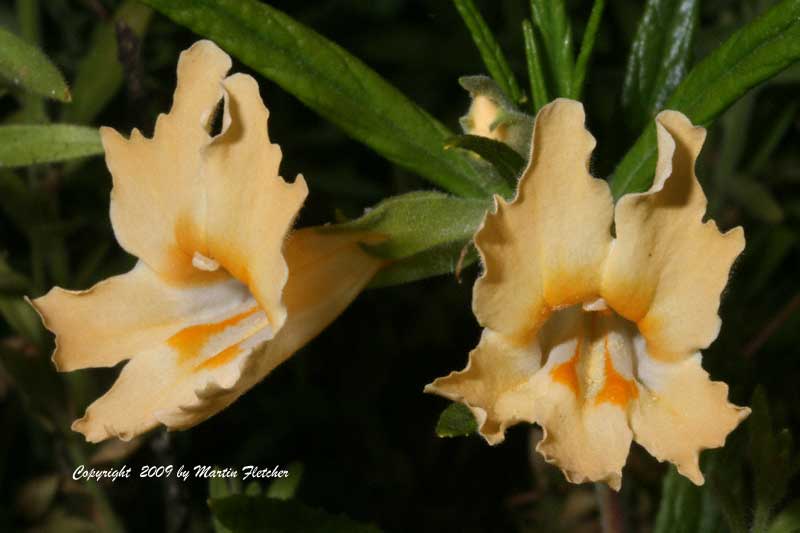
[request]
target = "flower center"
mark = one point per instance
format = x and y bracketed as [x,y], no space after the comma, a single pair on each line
[592,350]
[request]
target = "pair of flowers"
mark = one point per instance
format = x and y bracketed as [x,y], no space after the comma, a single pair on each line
[593,336]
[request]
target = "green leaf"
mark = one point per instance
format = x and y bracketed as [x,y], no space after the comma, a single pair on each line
[285,488]
[418,221]
[34,144]
[37,383]
[90,263]
[756,199]
[508,163]
[659,57]
[435,261]
[32,107]
[687,508]
[11,280]
[553,24]
[679,504]
[22,318]
[456,421]
[100,73]
[24,65]
[772,457]
[535,69]
[255,514]
[333,83]
[28,17]
[769,251]
[490,51]
[587,46]
[425,233]
[788,520]
[753,54]
[774,134]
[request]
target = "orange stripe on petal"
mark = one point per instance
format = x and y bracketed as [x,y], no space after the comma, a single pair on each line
[617,389]
[189,341]
[224,357]
[567,373]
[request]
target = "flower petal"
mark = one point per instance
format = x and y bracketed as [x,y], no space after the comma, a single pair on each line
[667,268]
[183,199]
[581,395]
[203,368]
[681,412]
[326,272]
[158,199]
[493,385]
[250,207]
[127,314]
[588,441]
[545,249]
[201,361]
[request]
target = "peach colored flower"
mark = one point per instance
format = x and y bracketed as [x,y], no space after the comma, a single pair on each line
[221,294]
[595,314]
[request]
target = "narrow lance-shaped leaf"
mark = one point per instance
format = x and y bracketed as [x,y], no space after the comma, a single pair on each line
[490,51]
[25,66]
[28,18]
[551,20]
[10,280]
[680,508]
[587,47]
[22,319]
[31,106]
[659,57]
[34,144]
[333,83]
[100,73]
[753,54]
[533,58]
[774,134]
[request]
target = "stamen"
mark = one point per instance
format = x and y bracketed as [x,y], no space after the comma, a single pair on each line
[595,305]
[201,262]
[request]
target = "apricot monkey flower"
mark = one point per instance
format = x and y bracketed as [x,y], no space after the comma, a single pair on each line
[593,333]
[222,293]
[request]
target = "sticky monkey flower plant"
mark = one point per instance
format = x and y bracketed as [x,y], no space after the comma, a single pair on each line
[222,292]
[594,315]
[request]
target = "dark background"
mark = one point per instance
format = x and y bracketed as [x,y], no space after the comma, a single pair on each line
[349,406]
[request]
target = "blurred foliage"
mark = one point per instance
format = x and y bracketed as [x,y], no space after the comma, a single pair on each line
[346,413]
